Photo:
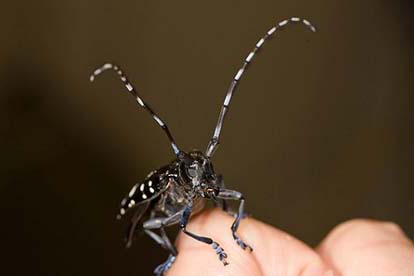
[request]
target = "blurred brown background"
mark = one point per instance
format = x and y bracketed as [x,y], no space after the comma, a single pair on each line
[320,130]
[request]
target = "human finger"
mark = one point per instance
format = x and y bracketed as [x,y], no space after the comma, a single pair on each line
[367,247]
[275,252]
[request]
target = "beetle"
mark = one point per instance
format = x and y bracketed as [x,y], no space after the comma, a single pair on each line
[171,194]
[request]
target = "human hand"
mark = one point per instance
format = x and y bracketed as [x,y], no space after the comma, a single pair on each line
[356,247]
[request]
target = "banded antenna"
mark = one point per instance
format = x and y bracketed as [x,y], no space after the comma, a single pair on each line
[214,142]
[140,101]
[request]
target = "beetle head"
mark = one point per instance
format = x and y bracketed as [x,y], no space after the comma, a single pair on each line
[198,169]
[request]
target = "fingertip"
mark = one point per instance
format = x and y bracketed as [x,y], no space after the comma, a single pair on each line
[363,246]
[355,232]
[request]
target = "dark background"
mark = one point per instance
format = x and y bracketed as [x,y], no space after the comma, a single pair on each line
[320,130]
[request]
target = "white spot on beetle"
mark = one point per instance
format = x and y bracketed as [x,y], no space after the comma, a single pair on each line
[175,148]
[238,75]
[260,43]
[227,99]
[250,56]
[132,192]
[131,203]
[161,123]
[141,103]
[271,31]
[283,23]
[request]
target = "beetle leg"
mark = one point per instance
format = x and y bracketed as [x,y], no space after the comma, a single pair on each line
[222,203]
[235,195]
[159,270]
[134,222]
[163,240]
[183,225]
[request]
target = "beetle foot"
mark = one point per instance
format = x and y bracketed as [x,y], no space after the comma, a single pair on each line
[241,243]
[220,252]
[159,271]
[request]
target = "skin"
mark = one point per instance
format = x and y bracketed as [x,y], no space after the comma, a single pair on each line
[356,247]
